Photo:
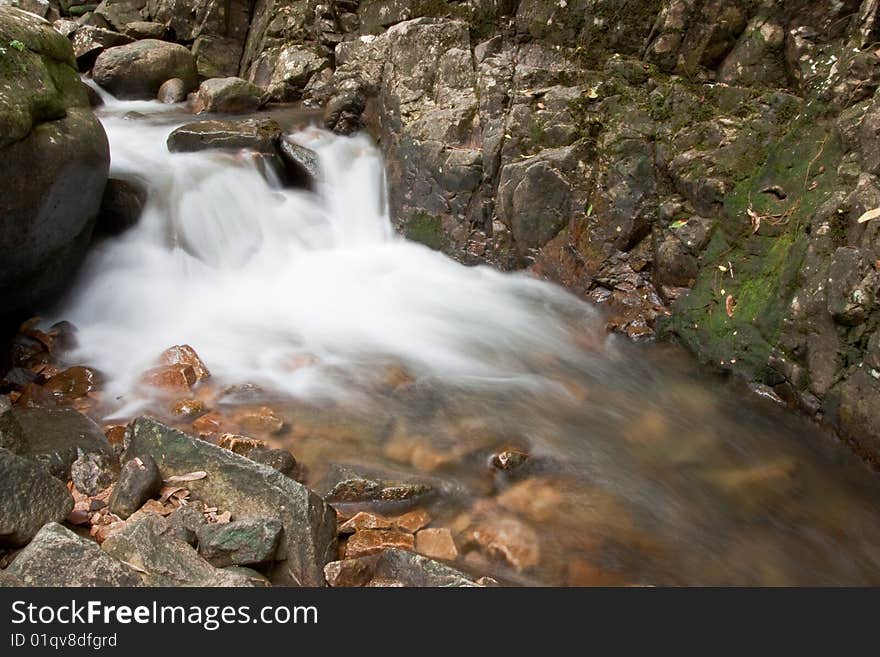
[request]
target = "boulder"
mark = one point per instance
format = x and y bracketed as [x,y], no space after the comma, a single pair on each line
[30,498]
[138,482]
[92,473]
[137,70]
[286,70]
[259,135]
[144,30]
[120,13]
[394,567]
[54,159]
[121,207]
[344,485]
[55,438]
[240,542]
[89,42]
[227,96]
[217,57]
[172,91]
[150,545]
[301,165]
[58,557]
[248,490]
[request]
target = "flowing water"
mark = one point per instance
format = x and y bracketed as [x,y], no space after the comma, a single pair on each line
[382,354]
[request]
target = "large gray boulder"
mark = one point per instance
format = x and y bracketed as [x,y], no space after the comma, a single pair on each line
[228,96]
[29,498]
[137,70]
[54,159]
[54,438]
[248,490]
[259,135]
[59,558]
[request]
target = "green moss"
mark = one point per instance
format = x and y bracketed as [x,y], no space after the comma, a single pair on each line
[427,229]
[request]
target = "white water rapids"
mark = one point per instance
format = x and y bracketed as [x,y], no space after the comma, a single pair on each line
[256,278]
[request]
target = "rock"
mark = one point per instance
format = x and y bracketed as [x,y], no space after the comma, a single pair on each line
[170,377]
[259,135]
[343,112]
[58,557]
[248,490]
[122,206]
[92,473]
[395,567]
[364,520]
[227,96]
[189,408]
[172,91]
[183,354]
[187,521]
[144,30]
[535,203]
[261,420]
[300,164]
[509,459]
[149,545]
[120,13]
[53,437]
[240,542]
[216,57]
[137,70]
[284,71]
[370,541]
[345,485]
[72,383]
[54,159]
[8,580]
[31,498]
[436,543]
[139,481]
[505,536]
[277,459]
[413,521]
[89,42]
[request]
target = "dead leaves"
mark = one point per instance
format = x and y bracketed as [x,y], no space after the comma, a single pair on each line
[190,476]
[869,215]
[730,305]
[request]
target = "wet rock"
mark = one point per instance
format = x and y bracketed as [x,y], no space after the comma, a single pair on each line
[284,71]
[217,56]
[144,30]
[92,473]
[436,543]
[371,541]
[189,408]
[31,498]
[300,164]
[139,481]
[89,42]
[261,420]
[228,96]
[16,379]
[137,70]
[121,207]
[852,287]
[54,159]
[506,537]
[58,557]
[395,567]
[413,521]
[259,135]
[248,490]
[277,459]
[345,485]
[72,383]
[185,355]
[150,545]
[535,203]
[343,112]
[170,377]
[172,91]
[240,542]
[53,437]
[508,459]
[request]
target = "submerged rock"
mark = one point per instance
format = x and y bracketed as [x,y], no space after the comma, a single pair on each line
[259,135]
[122,206]
[300,164]
[248,490]
[31,497]
[395,568]
[58,557]
[137,70]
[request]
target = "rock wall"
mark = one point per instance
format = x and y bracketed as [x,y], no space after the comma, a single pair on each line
[54,159]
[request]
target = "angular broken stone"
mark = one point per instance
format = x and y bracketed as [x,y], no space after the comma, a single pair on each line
[346,485]
[29,499]
[58,557]
[183,354]
[436,543]
[396,568]
[370,541]
[240,542]
[170,377]
[139,480]
[248,490]
[92,473]
[364,520]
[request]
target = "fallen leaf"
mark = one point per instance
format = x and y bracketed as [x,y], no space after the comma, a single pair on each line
[755,219]
[168,491]
[730,305]
[678,224]
[190,476]
[870,214]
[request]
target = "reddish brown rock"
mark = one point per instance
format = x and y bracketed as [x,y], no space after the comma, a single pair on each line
[260,420]
[72,383]
[365,520]
[509,459]
[436,543]
[189,408]
[115,434]
[413,521]
[505,537]
[241,445]
[371,541]
[212,422]
[170,377]
[183,354]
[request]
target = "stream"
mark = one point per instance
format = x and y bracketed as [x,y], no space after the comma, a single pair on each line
[384,355]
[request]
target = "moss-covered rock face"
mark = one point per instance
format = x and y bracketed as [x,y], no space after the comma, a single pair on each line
[54,159]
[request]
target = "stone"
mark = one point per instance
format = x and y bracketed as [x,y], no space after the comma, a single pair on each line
[170,377]
[401,567]
[137,70]
[259,135]
[216,56]
[248,490]
[284,71]
[144,30]
[55,438]
[343,112]
[172,91]
[505,537]
[121,207]
[89,42]
[260,420]
[370,541]
[240,542]
[413,521]
[59,558]
[277,459]
[29,499]
[54,159]
[508,459]
[120,13]
[92,473]
[344,485]
[72,383]
[364,520]
[436,543]
[139,481]
[149,545]
[539,203]
[187,521]
[189,408]
[300,164]
[227,96]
